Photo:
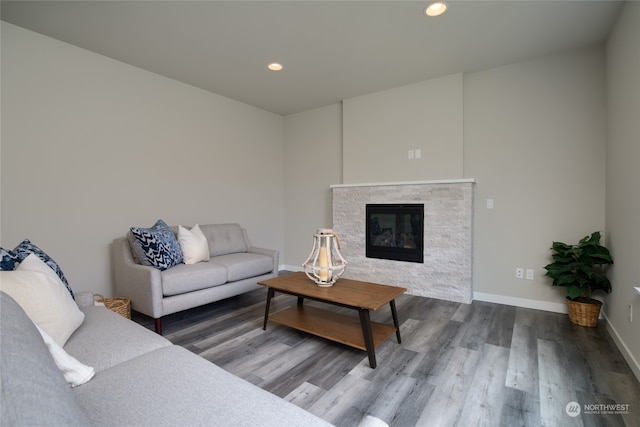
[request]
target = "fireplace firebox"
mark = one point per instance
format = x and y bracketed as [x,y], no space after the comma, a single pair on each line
[395,232]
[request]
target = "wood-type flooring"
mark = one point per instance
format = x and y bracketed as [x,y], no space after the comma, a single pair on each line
[479,364]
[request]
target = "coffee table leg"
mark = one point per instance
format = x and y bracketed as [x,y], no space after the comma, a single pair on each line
[365,322]
[394,313]
[270,294]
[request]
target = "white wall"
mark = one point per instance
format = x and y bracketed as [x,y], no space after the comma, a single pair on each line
[92,146]
[534,139]
[381,128]
[313,161]
[623,180]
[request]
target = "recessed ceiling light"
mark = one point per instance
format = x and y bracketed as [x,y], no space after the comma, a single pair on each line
[436,8]
[274,66]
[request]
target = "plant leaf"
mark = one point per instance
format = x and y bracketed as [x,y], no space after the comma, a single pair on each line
[574,292]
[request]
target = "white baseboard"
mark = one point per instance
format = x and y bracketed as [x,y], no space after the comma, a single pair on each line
[291,268]
[633,363]
[555,307]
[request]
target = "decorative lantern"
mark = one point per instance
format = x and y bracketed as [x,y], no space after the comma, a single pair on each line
[325,263]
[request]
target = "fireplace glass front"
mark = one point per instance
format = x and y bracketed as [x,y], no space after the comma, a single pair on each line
[395,232]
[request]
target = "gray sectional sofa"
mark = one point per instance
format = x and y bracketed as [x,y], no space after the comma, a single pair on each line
[140,379]
[234,267]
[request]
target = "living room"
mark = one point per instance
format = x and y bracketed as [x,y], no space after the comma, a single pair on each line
[92,146]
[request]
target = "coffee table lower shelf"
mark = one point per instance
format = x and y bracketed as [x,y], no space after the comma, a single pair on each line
[331,325]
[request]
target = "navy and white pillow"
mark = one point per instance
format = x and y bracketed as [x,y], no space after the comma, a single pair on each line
[156,246]
[8,260]
[11,259]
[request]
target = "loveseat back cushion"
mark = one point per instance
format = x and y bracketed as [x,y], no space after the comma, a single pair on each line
[224,238]
[185,278]
[244,265]
[34,391]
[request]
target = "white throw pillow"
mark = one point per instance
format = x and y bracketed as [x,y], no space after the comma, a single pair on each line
[194,245]
[74,372]
[43,296]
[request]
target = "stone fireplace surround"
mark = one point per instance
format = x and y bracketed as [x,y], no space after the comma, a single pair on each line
[448,236]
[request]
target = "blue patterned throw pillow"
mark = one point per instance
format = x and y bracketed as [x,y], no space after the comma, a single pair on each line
[156,246]
[8,260]
[26,247]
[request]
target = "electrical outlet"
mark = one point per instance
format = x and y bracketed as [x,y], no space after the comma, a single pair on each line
[529,273]
[410,154]
[519,273]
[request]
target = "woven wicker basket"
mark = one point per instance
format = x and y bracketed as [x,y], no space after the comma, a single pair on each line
[583,313]
[120,305]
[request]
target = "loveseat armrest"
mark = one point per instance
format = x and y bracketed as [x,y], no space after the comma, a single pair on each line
[268,252]
[140,283]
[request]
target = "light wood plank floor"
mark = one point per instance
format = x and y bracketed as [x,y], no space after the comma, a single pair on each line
[477,364]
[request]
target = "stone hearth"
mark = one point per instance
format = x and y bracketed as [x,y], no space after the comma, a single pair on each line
[448,236]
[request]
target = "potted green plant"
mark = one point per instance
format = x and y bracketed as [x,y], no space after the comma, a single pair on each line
[581,269]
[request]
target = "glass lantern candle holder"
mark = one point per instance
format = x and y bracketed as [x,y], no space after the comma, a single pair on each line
[325,264]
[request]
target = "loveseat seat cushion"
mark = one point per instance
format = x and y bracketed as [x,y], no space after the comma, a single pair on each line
[106,339]
[174,387]
[224,238]
[34,391]
[244,265]
[185,278]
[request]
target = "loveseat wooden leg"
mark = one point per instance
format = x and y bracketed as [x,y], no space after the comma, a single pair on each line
[158,324]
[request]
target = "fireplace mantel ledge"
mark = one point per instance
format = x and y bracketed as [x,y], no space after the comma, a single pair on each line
[380,184]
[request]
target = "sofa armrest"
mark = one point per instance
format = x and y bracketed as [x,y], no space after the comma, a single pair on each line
[84,299]
[268,252]
[262,251]
[140,283]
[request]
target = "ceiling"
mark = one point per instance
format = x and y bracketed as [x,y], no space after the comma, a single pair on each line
[331,50]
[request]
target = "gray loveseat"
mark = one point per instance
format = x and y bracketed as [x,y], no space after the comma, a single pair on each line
[141,379]
[234,267]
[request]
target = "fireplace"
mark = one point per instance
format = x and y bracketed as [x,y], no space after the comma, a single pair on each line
[447,266]
[395,232]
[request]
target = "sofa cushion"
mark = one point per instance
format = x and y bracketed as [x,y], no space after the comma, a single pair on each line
[187,278]
[106,339]
[174,387]
[156,246]
[44,298]
[194,245]
[34,392]
[224,238]
[244,265]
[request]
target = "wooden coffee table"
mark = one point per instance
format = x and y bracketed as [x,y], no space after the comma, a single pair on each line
[360,333]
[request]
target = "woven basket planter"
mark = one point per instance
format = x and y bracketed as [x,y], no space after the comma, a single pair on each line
[119,305]
[584,313]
